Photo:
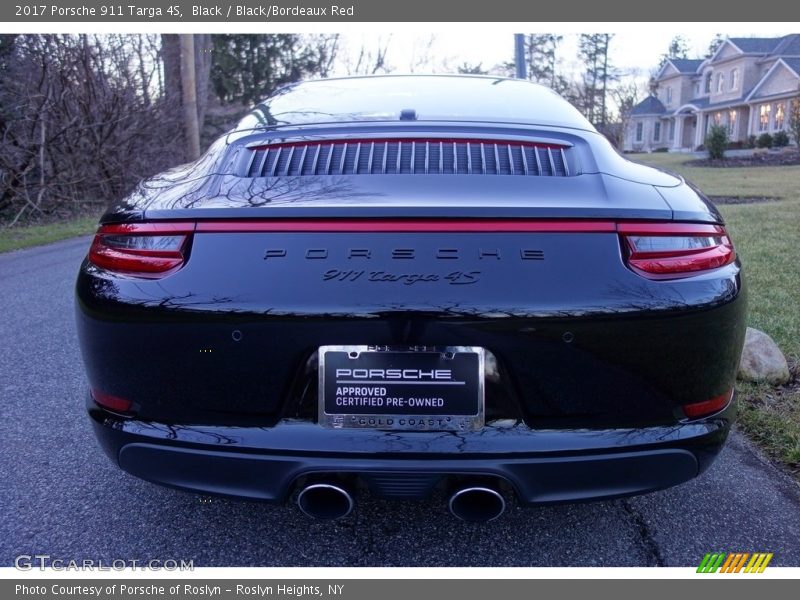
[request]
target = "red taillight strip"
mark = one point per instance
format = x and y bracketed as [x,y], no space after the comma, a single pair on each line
[412,225]
[376,141]
[398,225]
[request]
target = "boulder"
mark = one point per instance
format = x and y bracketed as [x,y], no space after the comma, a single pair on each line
[762,360]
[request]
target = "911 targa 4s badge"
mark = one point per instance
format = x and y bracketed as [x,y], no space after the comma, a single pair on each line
[410,284]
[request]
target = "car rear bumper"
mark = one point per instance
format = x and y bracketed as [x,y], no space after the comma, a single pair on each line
[539,466]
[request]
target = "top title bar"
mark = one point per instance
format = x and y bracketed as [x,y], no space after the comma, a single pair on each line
[260,11]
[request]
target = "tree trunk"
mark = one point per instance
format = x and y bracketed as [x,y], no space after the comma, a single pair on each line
[171,55]
[202,67]
[189,90]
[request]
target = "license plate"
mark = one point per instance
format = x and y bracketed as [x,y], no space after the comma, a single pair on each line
[419,388]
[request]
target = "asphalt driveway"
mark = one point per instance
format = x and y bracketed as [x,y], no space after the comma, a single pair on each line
[61,496]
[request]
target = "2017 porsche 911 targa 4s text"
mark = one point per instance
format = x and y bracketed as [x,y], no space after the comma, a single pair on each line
[427,286]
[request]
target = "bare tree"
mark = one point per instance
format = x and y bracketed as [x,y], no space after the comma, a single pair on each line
[369,60]
[82,121]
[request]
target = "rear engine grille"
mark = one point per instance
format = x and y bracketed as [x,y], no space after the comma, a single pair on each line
[396,157]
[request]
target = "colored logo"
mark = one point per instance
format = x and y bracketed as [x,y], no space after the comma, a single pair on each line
[735,562]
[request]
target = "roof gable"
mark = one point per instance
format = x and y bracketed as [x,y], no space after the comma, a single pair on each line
[667,70]
[783,77]
[726,49]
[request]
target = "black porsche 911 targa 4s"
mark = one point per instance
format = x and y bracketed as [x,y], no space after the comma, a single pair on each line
[412,284]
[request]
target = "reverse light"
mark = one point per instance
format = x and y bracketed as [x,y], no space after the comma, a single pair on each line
[149,250]
[670,250]
[112,403]
[707,407]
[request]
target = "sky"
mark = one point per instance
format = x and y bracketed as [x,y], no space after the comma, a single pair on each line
[635,48]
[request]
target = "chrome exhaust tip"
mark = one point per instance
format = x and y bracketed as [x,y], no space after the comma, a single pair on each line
[325,501]
[477,504]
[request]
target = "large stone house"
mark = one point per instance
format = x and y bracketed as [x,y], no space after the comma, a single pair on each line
[746,86]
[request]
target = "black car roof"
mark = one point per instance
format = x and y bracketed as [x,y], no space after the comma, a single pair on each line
[414,97]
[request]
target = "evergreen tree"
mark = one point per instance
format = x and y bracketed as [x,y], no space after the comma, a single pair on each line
[247,67]
[598,74]
[678,48]
[540,55]
[714,44]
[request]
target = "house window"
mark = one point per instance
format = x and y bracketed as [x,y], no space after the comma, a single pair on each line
[707,86]
[763,117]
[780,117]
[732,115]
[735,79]
[669,95]
[717,118]
[672,129]
[720,82]
[639,131]
[697,88]
[657,131]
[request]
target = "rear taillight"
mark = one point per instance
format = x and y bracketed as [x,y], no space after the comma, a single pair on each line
[707,407]
[148,250]
[670,250]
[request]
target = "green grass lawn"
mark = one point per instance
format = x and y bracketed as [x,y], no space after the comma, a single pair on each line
[34,235]
[767,237]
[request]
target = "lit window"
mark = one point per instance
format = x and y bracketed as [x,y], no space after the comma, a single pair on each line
[717,118]
[763,117]
[657,131]
[735,79]
[720,82]
[732,115]
[780,117]
[639,131]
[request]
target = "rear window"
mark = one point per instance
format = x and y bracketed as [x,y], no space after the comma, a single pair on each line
[421,98]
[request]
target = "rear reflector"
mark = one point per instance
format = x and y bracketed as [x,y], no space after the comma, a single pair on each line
[112,403]
[667,250]
[707,407]
[148,250]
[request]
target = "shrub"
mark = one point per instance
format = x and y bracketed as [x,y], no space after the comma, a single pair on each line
[780,139]
[751,141]
[717,141]
[765,141]
[661,149]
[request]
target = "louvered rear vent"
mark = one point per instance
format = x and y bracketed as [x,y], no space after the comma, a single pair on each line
[408,156]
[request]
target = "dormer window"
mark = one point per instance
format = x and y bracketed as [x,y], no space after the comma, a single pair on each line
[669,95]
[720,82]
[735,79]
[707,86]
